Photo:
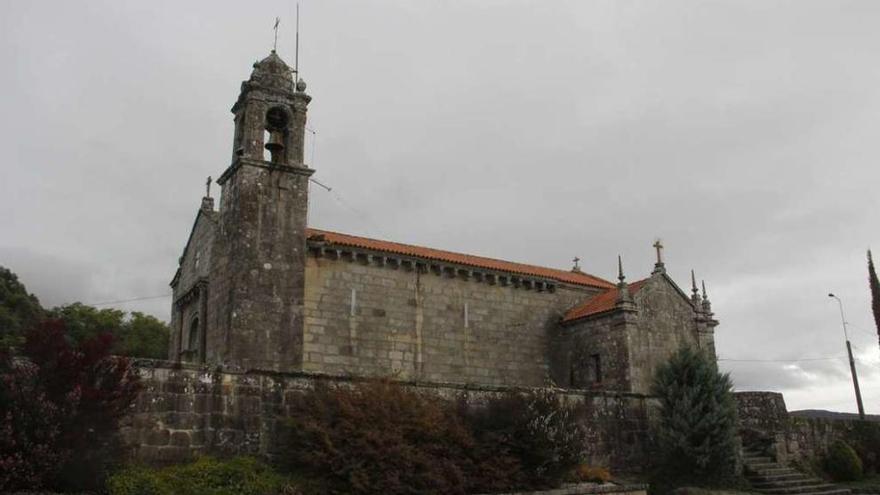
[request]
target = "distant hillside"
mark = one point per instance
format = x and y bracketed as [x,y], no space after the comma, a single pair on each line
[821,413]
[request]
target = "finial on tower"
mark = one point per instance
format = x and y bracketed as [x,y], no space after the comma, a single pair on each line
[659,267]
[620,275]
[577,267]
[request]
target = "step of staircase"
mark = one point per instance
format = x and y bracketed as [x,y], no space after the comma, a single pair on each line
[775,470]
[780,483]
[775,478]
[771,478]
[809,488]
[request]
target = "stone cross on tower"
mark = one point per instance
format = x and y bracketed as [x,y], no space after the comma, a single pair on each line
[208,201]
[659,267]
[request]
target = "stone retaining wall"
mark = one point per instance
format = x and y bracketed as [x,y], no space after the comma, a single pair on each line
[764,419]
[186,410]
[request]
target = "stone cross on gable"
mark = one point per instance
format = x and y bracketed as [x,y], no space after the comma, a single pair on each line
[658,245]
[659,267]
[577,266]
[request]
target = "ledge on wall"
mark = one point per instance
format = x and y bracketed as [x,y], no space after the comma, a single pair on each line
[158,364]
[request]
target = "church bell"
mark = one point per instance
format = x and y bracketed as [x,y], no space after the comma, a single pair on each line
[275,145]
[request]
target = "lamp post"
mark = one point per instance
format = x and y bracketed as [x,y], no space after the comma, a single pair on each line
[852,362]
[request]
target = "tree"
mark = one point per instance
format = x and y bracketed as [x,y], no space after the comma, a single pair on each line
[695,431]
[875,292]
[84,322]
[143,336]
[19,310]
[138,336]
[62,401]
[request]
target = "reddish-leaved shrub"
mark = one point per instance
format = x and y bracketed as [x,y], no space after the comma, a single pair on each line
[378,437]
[381,437]
[525,440]
[60,406]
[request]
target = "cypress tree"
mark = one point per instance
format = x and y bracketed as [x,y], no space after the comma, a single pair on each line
[695,431]
[875,292]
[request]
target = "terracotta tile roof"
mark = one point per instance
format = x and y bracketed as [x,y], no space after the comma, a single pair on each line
[599,303]
[457,258]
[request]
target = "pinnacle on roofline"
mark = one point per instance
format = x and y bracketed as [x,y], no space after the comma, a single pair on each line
[695,292]
[624,297]
[707,306]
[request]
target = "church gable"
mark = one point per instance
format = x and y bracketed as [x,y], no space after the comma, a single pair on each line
[194,262]
[189,288]
[666,321]
[615,340]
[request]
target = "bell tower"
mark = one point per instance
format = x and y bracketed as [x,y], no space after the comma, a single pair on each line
[255,303]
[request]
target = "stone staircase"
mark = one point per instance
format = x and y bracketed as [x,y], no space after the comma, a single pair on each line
[767,476]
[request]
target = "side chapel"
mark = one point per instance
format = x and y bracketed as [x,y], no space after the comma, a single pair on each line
[257,288]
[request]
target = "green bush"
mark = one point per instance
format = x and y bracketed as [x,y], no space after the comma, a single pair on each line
[864,438]
[205,476]
[136,481]
[842,463]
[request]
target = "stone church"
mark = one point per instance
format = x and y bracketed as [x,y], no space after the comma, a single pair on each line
[259,289]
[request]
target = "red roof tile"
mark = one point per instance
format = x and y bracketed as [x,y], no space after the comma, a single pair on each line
[575,278]
[599,303]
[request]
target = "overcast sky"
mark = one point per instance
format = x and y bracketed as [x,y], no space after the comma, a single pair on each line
[742,133]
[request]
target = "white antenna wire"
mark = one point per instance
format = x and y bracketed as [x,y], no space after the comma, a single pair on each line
[296,56]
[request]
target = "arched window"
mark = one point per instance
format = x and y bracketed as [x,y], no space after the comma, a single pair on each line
[193,343]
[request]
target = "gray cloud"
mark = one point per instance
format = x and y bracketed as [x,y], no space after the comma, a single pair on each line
[743,133]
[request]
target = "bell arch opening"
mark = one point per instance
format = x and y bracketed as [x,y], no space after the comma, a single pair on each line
[275,136]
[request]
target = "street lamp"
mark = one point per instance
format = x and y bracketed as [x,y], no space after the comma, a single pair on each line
[852,362]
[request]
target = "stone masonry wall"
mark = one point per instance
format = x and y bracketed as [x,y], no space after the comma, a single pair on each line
[764,420]
[603,337]
[367,319]
[665,323]
[185,410]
